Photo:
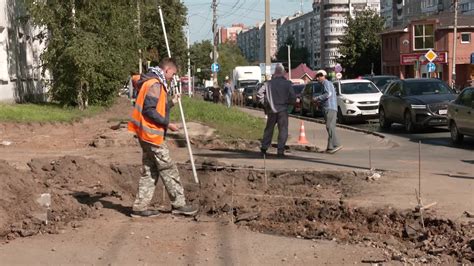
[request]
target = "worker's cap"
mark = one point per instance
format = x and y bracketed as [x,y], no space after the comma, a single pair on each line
[321,73]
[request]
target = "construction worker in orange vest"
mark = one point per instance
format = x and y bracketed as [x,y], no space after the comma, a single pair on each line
[150,121]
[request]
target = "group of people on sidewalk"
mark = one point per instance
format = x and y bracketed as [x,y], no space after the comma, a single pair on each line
[277,94]
[150,121]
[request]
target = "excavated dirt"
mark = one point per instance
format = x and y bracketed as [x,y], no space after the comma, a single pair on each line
[312,205]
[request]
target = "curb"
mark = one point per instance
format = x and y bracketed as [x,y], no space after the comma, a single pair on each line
[321,121]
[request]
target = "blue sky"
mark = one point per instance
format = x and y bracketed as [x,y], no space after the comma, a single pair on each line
[230,12]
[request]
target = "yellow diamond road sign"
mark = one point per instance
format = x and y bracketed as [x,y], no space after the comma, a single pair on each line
[430,55]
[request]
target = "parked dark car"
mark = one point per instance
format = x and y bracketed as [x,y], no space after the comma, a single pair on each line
[415,103]
[381,81]
[250,95]
[307,103]
[298,88]
[461,115]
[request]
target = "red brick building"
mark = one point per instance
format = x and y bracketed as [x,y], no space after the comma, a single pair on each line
[403,48]
[229,34]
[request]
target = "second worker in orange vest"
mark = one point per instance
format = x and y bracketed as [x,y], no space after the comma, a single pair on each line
[150,121]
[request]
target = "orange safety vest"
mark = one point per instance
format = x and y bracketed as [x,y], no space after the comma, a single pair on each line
[145,129]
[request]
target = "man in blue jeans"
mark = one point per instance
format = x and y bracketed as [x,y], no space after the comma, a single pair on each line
[228,92]
[276,94]
[328,101]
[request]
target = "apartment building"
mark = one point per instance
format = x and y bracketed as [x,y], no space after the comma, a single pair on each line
[402,12]
[251,41]
[229,34]
[21,76]
[302,29]
[404,48]
[333,20]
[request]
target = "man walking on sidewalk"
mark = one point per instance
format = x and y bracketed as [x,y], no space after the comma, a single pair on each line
[328,100]
[150,121]
[228,92]
[276,95]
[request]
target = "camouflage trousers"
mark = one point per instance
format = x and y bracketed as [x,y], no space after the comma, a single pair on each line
[157,163]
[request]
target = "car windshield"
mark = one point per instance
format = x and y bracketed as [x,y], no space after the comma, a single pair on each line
[427,88]
[358,88]
[380,82]
[298,88]
[249,89]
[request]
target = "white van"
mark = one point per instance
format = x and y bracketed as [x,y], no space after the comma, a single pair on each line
[357,99]
[245,76]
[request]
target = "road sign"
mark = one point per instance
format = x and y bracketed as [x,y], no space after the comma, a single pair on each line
[338,75]
[431,67]
[217,55]
[430,55]
[338,68]
[215,67]
[198,70]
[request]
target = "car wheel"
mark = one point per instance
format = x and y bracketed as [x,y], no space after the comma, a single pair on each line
[384,122]
[408,122]
[340,117]
[456,137]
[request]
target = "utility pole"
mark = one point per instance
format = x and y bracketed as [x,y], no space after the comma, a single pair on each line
[289,61]
[214,31]
[190,87]
[455,41]
[140,70]
[268,43]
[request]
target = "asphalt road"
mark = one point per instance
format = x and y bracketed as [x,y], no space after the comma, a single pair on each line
[439,136]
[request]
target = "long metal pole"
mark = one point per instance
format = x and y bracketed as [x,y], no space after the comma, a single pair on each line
[455,40]
[268,42]
[214,39]
[289,61]
[188,143]
[189,65]
[140,67]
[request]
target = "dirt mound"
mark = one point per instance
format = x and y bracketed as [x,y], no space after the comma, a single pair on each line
[75,186]
[312,205]
[316,205]
[16,202]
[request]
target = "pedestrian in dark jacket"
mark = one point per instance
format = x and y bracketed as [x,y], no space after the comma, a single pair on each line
[276,95]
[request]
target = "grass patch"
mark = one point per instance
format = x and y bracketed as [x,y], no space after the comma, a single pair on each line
[228,122]
[47,112]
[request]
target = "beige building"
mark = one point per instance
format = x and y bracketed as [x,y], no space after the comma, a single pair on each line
[21,76]
[333,20]
[251,42]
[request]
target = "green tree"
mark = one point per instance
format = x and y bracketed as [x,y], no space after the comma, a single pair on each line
[230,56]
[154,45]
[360,46]
[90,54]
[199,53]
[299,55]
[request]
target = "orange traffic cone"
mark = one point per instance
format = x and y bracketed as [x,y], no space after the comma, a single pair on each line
[302,139]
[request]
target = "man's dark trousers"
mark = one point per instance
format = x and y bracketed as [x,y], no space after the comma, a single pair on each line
[281,119]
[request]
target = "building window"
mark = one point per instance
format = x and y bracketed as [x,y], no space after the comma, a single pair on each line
[466,37]
[423,37]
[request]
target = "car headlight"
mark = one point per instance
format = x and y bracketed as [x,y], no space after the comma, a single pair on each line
[249,97]
[347,101]
[418,106]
